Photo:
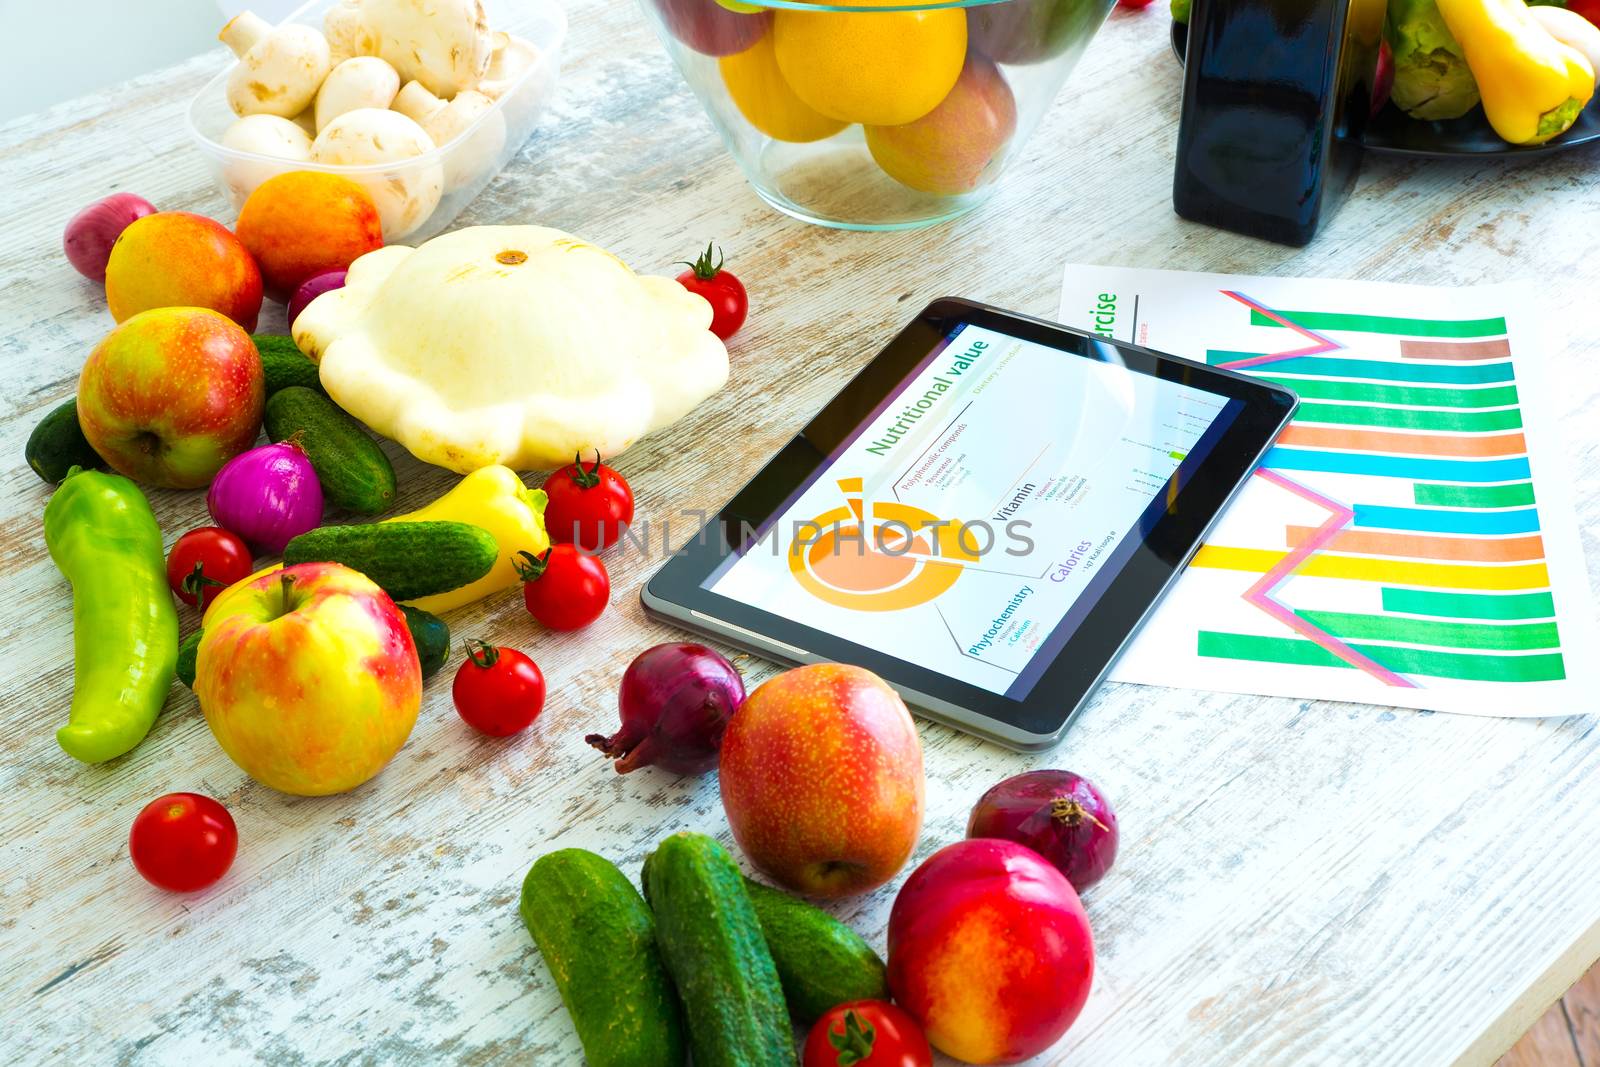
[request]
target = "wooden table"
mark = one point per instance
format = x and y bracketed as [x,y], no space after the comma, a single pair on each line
[1300,882]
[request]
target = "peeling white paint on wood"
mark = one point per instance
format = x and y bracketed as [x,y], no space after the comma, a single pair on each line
[1300,882]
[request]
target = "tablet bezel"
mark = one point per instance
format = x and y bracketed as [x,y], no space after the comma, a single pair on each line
[1037,720]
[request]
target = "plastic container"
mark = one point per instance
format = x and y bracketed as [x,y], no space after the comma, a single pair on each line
[459,169]
[875,116]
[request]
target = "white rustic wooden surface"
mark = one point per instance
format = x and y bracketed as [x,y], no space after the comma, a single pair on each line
[1299,883]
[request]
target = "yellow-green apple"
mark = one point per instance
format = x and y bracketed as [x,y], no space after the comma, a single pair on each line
[949,149]
[308,677]
[821,774]
[178,259]
[172,394]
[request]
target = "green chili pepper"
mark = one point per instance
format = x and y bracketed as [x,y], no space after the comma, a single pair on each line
[103,536]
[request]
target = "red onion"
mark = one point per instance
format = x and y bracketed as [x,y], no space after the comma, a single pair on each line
[1059,815]
[676,700]
[268,496]
[312,288]
[91,232]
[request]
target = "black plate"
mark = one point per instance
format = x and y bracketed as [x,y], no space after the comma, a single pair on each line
[1471,135]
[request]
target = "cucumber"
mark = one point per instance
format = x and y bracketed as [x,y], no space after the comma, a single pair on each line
[711,941]
[821,962]
[408,559]
[598,939]
[57,445]
[282,364]
[354,472]
[188,653]
[431,636]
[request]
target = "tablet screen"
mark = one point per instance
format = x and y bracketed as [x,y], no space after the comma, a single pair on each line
[980,511]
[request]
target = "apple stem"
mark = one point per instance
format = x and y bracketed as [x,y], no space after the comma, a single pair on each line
[286,584]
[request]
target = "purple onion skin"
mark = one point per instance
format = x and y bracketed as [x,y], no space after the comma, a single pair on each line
[312,288]
[1060,815]
[268,496]
[90,233]
[676,700]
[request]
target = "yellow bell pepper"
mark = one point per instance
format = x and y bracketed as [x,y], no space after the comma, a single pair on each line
[1534,87]
[495,499]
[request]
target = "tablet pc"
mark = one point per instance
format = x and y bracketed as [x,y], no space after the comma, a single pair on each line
[983,516]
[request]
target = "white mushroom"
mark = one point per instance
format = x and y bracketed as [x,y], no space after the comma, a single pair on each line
[279,69]
[360,81]
[262,135]
[444,121]
[509,60]
[444,44]
[347,32]
[405,193]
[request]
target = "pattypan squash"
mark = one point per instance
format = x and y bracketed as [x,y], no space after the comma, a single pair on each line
[513,345]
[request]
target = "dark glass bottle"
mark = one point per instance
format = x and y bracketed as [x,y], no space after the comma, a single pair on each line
[1276,94]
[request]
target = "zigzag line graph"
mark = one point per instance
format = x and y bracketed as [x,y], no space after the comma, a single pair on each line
[1458,581]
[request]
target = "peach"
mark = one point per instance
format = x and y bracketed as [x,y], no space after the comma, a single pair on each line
[949,150]
[821,774]
[304,223]
[178,259]
[990,950]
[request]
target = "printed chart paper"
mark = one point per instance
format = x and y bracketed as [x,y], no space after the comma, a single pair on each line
[1411,538]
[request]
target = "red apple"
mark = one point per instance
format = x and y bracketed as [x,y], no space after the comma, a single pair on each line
[177,259]
[989,949]
[308,677]
[712,29]
[172,394]
[949,149]
[821,774]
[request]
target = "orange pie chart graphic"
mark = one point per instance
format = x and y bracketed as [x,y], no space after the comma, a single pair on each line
[883,558]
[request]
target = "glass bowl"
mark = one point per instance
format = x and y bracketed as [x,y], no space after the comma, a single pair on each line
[875,115]
[433,187]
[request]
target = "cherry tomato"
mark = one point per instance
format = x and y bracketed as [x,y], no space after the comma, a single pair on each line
[588,506]
[564,589]
[207,560]
[867,1033]
[183,842]
[1133,5]
[1589,9]
[724,292]
[498,691]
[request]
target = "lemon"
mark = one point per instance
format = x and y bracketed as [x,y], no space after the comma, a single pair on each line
[880,68]
[765,99]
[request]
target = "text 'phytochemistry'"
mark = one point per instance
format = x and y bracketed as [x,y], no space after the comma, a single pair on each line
[906,418]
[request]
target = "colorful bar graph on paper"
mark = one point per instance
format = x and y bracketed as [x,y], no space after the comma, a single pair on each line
[1442,578]
[1470,605]
[1489,396]
[1379,466]
[1388,571]
[1356,323]
[1425,546]
[1498,348]
[1411,444]
[1412,418]
[1504,637]
[1436,520]
[1469,666]
[1519,494]
[1379,370]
